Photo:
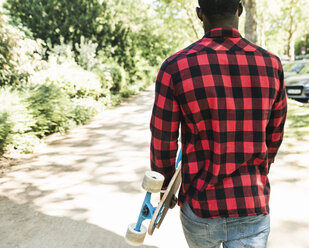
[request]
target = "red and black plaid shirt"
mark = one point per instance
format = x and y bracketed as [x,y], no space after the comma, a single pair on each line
[229,96]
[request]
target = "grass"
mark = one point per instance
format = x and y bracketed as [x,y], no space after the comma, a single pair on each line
[297,125]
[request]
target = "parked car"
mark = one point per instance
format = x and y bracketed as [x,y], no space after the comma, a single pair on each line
[294,68]
[297,87]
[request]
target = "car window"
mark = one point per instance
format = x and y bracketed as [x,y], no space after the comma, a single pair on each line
[305,69]
[289,66]
[298,67]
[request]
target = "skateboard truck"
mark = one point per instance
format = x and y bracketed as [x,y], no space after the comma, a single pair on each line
[152,183]
[146,212]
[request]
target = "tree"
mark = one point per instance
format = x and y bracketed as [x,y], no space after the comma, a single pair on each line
[95,20]
[147,32]
[281,23]
[290,9]
[19,55]
[293,23]
[180,22]
[251,20]
[53,20]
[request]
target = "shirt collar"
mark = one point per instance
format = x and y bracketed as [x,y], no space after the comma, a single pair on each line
[223,32]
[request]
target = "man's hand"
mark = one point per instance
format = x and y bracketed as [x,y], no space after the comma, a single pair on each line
[173,201]
[162,192]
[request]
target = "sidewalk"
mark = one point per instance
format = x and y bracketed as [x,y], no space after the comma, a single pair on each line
[83,189]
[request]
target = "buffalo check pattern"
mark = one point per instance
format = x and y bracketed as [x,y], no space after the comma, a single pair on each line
[229,97]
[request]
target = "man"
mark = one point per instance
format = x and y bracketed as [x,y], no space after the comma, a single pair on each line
[229,96]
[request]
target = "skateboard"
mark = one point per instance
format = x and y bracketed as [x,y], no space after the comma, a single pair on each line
[152,183]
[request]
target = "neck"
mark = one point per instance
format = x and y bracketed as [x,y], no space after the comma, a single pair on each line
[208,26]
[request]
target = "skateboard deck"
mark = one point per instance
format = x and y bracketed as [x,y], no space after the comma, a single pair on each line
[167,201]
[152,183]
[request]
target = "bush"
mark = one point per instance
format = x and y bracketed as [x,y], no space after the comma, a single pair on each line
[5,129]
[84,109]
[61,53]
[74,80]
[30,114]
[119,77]
[105,77]
[50,20]
[24,142]
[112,76]
[16,107]
[19,55]
[51,109]
[16,120]
[86,57]
[145,75]
[8,40]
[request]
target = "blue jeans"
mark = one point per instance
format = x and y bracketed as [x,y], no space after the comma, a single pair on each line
[249,232]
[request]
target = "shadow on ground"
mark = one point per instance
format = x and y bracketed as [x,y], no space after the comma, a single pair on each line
[290,234]
[50,231]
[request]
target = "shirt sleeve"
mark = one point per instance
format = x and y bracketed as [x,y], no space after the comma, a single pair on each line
[275,127]
[164,126]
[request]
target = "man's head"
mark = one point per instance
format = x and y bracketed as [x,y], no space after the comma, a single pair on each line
[219,13]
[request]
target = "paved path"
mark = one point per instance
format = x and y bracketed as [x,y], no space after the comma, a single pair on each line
[83,189]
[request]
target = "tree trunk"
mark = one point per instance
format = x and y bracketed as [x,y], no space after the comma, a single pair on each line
[291,30]
[261,24]
[251,23]
[185,7]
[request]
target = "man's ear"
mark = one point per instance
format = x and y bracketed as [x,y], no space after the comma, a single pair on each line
[240,9]
[199,13]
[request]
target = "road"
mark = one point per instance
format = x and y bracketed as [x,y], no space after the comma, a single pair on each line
[81,190]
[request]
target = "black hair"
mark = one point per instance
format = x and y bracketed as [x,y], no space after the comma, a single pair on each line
[218,9]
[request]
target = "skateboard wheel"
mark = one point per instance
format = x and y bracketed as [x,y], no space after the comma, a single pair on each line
[133,237]
[153,182]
